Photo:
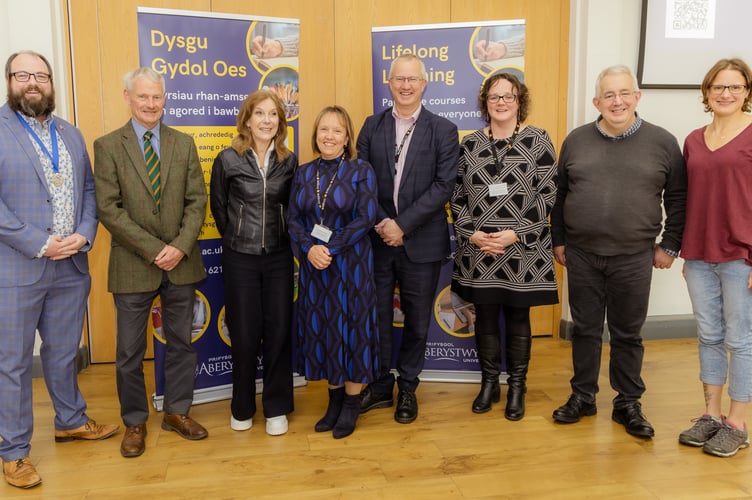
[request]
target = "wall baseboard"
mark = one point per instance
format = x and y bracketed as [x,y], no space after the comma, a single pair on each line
[676,326]
[82,361]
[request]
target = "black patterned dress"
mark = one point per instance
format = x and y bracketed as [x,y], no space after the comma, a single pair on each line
[336,307]
[523,275]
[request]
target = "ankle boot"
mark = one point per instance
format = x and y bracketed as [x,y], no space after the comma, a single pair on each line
[336,397]
[348,416]
[518,359]
[490,392]
[489,358]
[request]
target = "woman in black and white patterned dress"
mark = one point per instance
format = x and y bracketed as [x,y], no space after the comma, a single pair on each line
[506,186]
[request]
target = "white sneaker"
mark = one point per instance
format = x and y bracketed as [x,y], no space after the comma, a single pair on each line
[276,426]
[240,425]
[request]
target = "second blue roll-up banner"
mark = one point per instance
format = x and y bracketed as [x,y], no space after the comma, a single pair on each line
[455,73]
[209,69]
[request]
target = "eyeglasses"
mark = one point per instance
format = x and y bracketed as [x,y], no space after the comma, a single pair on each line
[733,89]
[624,95]
[24,76]
[402,79]
[507,98]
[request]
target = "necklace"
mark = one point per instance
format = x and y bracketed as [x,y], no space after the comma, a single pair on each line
[499,161]
[731,132]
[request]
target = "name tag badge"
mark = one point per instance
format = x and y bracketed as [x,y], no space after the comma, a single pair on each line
[498,189]
[321,232]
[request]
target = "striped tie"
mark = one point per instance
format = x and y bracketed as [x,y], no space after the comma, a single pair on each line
[152,167]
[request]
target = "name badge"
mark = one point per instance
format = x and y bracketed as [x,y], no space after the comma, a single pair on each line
[321,232]
[498,189]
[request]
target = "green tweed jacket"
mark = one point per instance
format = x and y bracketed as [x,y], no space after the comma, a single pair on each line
[126,207]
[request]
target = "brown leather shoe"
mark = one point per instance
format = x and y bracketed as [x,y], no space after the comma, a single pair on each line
[184,425]
[89,431]
[133,444]
[21,473]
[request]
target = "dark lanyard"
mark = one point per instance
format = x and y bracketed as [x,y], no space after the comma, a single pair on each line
[499,163]
[55,156]
[402,144]
[322,203]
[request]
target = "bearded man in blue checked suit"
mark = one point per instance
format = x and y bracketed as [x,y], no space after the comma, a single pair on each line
[47,226]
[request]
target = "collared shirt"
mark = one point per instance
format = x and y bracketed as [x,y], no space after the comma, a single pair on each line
[63,210]
[263,165]
[631,130]
[141,130]
[401,126]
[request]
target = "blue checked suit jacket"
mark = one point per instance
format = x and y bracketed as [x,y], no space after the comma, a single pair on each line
[25,200]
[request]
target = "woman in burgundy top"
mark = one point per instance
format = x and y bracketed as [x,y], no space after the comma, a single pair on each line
[717,247]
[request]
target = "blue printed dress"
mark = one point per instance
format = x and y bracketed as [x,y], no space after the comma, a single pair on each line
[335,321]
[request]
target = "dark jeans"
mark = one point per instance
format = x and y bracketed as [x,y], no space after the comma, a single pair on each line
[615,288]
[417,282]
[258,314]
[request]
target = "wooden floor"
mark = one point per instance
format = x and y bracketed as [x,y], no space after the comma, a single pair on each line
[448,452]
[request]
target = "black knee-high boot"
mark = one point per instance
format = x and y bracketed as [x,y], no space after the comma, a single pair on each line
[489,357]
[336,397]
[518,359]
[348,416]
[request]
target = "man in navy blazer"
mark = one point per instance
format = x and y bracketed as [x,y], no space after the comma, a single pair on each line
[47,224]
[414,154]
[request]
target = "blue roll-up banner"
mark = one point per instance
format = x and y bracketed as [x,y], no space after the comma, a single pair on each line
[455,69]
[209,69]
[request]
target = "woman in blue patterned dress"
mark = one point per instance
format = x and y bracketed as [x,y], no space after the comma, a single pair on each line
[332,208]
[505,189]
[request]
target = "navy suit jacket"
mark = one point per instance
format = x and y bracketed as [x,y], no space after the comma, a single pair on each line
[25,200]
[427,181]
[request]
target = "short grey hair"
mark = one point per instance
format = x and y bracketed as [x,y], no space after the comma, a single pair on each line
[143,72]
[409,57]
[618,69]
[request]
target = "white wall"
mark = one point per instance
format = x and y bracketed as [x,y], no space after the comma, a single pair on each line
[36,25]
[604,33]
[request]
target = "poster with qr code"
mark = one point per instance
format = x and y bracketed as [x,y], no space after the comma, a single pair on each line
[690,18]
[680,40]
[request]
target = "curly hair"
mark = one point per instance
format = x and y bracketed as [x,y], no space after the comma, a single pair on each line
[520,90]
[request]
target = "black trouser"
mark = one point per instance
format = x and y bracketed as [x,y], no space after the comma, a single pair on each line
[258,314]
[616,288]
[417,282]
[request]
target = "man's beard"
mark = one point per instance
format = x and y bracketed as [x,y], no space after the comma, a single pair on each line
[43,107]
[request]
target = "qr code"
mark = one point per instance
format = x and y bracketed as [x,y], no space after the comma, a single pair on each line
[690,15]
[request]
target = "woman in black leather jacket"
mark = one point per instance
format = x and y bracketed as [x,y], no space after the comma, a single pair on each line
[250,188]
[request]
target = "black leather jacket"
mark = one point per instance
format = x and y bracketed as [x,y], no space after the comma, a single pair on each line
[248,207]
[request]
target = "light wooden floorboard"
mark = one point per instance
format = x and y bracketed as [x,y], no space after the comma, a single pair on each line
[447,453]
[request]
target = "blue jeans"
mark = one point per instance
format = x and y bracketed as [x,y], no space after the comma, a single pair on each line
[722,304]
